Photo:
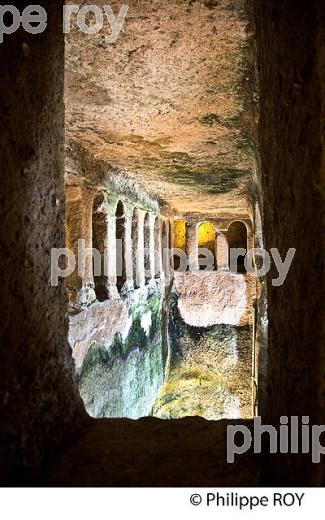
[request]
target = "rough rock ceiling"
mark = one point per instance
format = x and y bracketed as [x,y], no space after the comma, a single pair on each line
[167,102]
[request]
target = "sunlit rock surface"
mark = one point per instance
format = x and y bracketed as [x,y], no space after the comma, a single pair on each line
[212,298]
[211,354]
[185,135]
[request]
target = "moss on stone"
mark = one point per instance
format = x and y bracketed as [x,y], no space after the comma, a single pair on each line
[213,179]
[210,119]
[122,379]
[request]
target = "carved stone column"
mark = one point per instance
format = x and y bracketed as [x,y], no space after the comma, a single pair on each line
[79,205]
[140,254]
[152,246]
[222,252]
[157,246]
[192,245]
[128,250]
[111,254]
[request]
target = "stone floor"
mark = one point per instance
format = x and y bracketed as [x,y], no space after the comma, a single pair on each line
[152,452]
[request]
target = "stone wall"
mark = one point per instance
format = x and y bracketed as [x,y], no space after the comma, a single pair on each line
[291,79]
[117,304]
[120,350]
[39,403]
[211,347]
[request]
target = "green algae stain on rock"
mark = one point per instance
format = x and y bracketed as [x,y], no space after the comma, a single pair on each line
[122,379]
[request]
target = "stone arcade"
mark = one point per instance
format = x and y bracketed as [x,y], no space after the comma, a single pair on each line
[130,333]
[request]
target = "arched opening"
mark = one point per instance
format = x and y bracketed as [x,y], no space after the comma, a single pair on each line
[179,240]
[237,239]
[157,248]
[120,246]
[135,248]
[147,245]
[206,240]
[99,239]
